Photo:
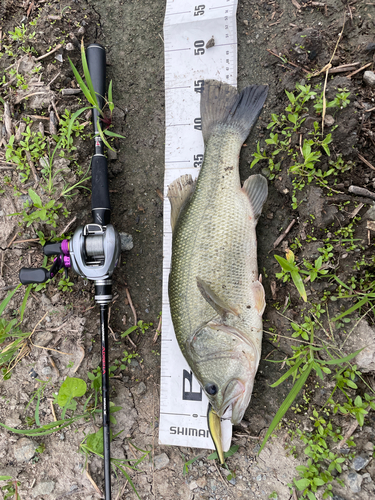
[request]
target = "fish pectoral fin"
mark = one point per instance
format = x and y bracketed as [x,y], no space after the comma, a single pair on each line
[259,297]
[179,193]
[256,188]
[214,425]
[220,306]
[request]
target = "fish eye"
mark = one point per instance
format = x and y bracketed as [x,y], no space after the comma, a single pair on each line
[211,389]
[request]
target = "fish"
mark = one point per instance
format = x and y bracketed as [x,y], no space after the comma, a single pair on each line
[215,292]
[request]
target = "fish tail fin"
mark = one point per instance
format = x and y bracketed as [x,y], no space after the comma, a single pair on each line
[222,104]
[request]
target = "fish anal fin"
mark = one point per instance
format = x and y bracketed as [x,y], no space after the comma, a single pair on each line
[179,193]
[256,189]
[220,306]
[259,297]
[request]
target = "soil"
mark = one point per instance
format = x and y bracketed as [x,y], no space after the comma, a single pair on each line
[132,34]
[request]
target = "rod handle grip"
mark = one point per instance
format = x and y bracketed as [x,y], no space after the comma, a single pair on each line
[96,62]
[100,203]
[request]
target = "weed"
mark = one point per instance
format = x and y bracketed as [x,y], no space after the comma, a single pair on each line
[128,357]
[65,285]
[10,489]
[13,340]
[304,157]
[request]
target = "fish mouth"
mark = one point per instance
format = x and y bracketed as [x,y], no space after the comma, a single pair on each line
[232,400]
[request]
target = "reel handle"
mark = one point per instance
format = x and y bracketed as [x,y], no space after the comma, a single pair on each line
[30,275]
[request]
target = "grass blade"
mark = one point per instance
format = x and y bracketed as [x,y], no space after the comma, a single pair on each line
[343,360]
[288,373]
[128,479]
[113,134]
[286,404]
[5,302]
[88,78]
[23,306]
[82,85]
[297,280]
[356,306]
[102,136]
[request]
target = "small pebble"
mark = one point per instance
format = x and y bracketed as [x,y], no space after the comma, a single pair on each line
[141,389]
[46,370]
[69,46]
[369,78]
[161,461]
[360,462]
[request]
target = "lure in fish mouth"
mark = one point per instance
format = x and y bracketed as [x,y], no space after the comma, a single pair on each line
[215,293]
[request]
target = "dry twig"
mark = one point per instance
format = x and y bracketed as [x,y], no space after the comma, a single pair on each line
[366,162]
[131,306]
[282,236]
[49,53]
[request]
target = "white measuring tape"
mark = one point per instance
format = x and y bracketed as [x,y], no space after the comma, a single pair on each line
[189,60]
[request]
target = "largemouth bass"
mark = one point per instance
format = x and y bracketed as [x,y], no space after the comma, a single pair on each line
[216,297]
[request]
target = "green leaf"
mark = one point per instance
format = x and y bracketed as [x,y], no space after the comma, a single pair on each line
[94,442]
[110,99]
[302,483]
[129,330]
[72,387]
[297,280]
[102,136]
[358,402]
[286,404]
[23,305]
[35,198]
[343,360]
[232,450]
[73,119]
[88,78]
[7,299]
[352,309]
[82,85]
[286,266]
[112,134]
[5,478]
[288,373]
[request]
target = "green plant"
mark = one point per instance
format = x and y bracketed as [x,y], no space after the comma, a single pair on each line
[13,341]
[128,357]
[20,34]
[90,94]
[48,213]
[65,285]
[10,489]
[93,443]
[141,326]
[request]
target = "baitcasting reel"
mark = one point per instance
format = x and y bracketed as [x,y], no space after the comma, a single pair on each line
[92,252]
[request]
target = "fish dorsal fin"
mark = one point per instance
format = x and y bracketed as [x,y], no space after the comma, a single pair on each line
[179,192]
[256,189]
[259,297]
[220,306]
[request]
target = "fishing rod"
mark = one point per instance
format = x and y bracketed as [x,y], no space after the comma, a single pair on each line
[94,249]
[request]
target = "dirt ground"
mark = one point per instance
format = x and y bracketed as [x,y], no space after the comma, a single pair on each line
[279,43]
